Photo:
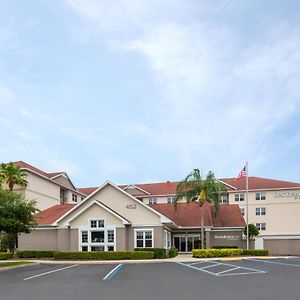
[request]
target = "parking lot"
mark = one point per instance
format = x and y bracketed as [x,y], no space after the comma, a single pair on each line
[245,279]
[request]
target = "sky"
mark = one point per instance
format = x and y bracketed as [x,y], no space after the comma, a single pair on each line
[139,91]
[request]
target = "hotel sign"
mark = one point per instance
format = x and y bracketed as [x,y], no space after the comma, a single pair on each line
[295,195]
[227,237]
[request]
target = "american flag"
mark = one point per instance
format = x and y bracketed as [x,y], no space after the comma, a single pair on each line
[242,174]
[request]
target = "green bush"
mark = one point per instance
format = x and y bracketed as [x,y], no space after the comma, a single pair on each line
[204,253]
[35,254]
[173,252]
[158,252]
[257,252]
[105,255]
[5,255]
[225,247]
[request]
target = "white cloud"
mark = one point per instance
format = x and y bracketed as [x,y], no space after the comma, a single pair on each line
[221,97]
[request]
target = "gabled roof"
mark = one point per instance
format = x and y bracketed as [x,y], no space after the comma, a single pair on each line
[77,207]
[49,176]
[259,183]
[50,215]
[190,215]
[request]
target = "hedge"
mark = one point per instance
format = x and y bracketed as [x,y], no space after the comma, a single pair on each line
[103,255]
[35,254]
[225,247]
[216,252]
[173,252]
[257,252]
[5,255]
[158,252]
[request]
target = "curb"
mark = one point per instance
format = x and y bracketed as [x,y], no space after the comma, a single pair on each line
[17,266]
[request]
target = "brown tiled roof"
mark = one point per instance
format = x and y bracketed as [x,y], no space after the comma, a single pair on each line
[259,183]
[53,213]
[189,215]
[87,190]
[23,164]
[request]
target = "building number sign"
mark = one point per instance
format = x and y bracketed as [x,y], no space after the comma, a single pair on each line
[131,206]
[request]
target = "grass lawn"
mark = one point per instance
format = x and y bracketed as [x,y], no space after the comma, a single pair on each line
[13,263]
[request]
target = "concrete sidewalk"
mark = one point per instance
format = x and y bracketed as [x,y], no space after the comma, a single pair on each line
[179,258]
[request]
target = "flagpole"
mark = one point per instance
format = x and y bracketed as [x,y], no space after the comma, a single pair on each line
[247,208]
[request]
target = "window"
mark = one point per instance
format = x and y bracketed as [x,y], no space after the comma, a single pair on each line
[152,200]
[110,236]
[143,238]
[97,236]
[97,248]
[74,197]
[84,237]
[243,211]
[84,248]
[110,248]
[224,199]
[260,211]
[260,196]
[239,197]
[170,200]
[261,226]
[97,223]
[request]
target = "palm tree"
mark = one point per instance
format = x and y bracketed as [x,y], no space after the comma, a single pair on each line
[11,175]
[195,188]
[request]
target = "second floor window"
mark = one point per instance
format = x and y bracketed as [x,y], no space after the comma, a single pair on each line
[224,199]
[74,197]
[261,226]
[152,200]
[170,200]
[239,197]
[97,223]
[260,196]
[260,211]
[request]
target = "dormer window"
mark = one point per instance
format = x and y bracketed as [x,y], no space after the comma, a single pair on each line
[74,198]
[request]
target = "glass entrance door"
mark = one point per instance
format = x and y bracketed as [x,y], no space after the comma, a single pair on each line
[187,243]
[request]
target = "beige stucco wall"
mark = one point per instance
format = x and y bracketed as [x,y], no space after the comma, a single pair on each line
[64,181]
[39,240]
[119,202]
[121,239]
[158,236]
[95,212]
[283,246]
[282,213]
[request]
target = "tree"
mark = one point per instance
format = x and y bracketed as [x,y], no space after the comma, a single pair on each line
[12,174]
[195,188]
[253,231]
[16,213]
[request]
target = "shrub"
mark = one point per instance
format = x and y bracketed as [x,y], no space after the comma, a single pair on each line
[105,255]
[173,252]
[216,252]
[35,254]
[225,247]
[256,252]
[5,255]
[158,252]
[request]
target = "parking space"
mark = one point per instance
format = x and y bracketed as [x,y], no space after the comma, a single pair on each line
[218,268]
[245,279]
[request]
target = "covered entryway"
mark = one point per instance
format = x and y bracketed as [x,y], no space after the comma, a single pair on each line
[187,242]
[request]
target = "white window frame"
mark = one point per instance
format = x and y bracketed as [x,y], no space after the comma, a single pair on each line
[153,200]
[170,200]
[144,240]
[222,197]
[260,211]
[261,226]
[74,197]
[104,229]
[259,196]
[239,197]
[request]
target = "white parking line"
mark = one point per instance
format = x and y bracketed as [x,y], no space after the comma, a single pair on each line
[49,272]
[227,271]
[214,265]
[197,262]
[272,262]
